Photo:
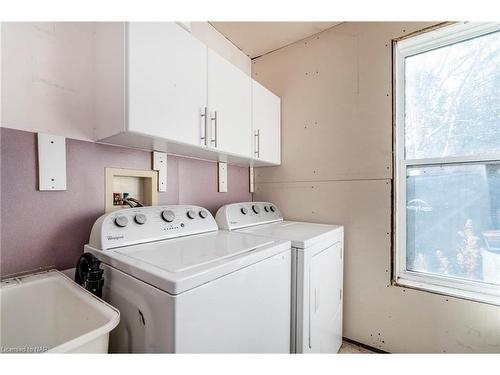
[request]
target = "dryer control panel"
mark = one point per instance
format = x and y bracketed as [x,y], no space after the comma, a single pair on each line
[137,225]
[246,214]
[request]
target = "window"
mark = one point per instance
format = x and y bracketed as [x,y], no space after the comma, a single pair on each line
[447,143]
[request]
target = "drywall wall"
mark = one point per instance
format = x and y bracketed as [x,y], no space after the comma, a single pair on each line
[48,74]
[336,167]
[45,228]
[47,77]
[1,71]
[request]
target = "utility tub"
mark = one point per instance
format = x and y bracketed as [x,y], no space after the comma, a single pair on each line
[48,312]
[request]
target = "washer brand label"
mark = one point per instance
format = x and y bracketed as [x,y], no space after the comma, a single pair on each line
[110,238]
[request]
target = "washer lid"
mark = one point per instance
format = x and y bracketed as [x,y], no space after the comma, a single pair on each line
[180,264]
[194,251]
[301,234]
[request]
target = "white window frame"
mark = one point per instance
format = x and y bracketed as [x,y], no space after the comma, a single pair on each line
[410,46]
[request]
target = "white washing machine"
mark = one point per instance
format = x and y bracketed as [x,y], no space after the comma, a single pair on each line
[181,285]
[317,271]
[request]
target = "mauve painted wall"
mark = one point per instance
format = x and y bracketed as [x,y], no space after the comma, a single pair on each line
[41,229]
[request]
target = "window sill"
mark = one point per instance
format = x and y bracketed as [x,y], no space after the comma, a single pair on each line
[447,291]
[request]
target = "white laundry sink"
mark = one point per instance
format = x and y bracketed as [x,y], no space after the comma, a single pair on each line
[48,312]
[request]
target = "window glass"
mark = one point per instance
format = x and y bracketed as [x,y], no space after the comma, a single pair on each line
[453,220]
[452,100]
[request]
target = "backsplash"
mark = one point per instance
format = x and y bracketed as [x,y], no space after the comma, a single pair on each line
[48,228]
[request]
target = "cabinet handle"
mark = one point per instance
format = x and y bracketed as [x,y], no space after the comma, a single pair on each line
[214,140]
[257,143]
[205,121]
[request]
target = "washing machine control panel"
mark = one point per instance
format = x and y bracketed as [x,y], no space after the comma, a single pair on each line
[245,214]
[146,224]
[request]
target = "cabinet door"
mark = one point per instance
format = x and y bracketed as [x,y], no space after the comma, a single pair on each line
[167,82]
[230,105]
[325,309]
[266,122]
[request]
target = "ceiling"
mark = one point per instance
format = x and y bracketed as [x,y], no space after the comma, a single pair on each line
[258,38]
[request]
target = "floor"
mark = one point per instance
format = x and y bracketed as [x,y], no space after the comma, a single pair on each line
[348,348]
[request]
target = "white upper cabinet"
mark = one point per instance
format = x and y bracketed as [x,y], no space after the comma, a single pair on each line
[167,82]
[266,121]
[230,106]
[160,88]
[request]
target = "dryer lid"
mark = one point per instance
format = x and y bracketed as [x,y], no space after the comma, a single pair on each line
[301,234]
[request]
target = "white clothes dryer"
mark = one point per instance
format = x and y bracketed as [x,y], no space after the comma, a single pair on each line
[317,271]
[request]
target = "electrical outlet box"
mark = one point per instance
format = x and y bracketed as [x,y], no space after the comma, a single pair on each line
[222,177]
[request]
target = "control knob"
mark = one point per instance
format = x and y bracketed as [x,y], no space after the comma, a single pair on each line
[121,221]
[255,208]
[140,219]
[191,214]
[168,215]
[244,211]
[203,214]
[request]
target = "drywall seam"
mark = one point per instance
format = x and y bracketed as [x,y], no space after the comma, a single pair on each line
[326,180]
